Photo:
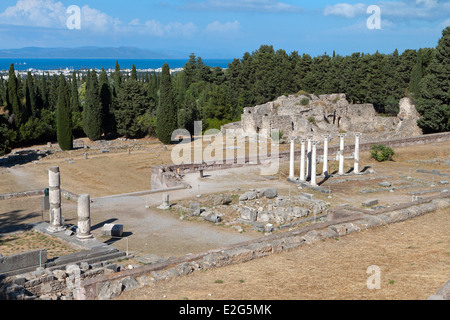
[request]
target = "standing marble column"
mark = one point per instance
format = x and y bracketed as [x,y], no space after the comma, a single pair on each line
[314,163]
[308,158]
[356,166]
[84,217]
[302,160]
[292,160]
[341,154]
[54,182]
[325,155]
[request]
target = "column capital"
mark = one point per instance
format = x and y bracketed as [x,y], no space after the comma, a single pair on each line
[309,137]
[315,143]
[326,136]
[302,140]
[358,134]
[342,135]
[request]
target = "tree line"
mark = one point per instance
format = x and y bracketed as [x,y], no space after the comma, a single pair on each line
[43,108]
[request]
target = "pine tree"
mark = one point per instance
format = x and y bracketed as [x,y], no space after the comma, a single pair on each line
[92,116]
[64,116]
[166,112]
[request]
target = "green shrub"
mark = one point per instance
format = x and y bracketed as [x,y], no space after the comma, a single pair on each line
[381,153]
[312,120]
[304,101]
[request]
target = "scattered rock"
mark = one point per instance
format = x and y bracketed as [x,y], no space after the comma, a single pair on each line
[222,200]
[385,184]
[271,193]
[249,195]
[370,203]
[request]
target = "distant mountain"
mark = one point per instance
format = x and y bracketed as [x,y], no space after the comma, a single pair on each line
[85,52]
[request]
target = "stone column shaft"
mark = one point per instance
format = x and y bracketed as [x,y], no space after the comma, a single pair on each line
[325,156]
[302,160]
[84,217]
[341,154]
[314,163]
[292,161]
[54,181]
[308,158]
[356,166]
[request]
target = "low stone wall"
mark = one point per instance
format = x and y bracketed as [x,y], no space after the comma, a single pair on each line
[22,262]
[33,193]
[167,176]
[15,195]
[341,223]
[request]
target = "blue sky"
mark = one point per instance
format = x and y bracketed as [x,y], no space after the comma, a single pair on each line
[225,29]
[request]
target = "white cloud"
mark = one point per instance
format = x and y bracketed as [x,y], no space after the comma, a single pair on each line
[216,26]
[38,13]
[243,5]
[345,10]
[404,9]
[52,14]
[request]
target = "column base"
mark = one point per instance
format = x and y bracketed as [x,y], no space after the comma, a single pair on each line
[85,237]
[54,229]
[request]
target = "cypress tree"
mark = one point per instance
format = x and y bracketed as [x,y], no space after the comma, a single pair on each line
[133,73]
[75,101]
[92,117]
[106,100]
[12,98]
[64,116]
[166,113]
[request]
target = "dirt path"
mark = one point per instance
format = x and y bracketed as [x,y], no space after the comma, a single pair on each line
[413,256]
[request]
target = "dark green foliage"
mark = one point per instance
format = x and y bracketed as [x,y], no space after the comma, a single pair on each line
[64,117]
[166,113]
[434,101]
[74,98]
[5,139]
[106,101]
[381,153]
[131,104]
[13,104]
[92,115]
[133,73]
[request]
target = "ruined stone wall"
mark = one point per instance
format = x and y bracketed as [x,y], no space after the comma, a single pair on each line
[326,114]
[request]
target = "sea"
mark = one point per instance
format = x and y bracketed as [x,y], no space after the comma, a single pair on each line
[21,64]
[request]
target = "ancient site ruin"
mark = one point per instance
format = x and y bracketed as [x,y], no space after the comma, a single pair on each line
[111,218]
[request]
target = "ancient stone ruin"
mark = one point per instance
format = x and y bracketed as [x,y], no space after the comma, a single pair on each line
[297,115]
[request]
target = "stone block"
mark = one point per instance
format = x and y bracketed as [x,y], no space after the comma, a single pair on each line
[370,203]
[443,182]
[308,196]
[248,213]
[385,184]
[195,209]
[112,230]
